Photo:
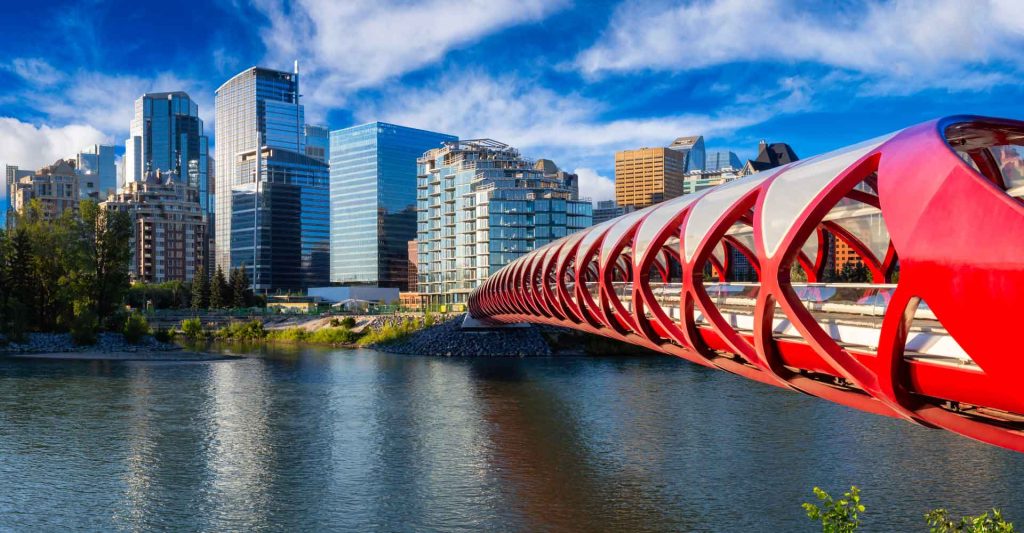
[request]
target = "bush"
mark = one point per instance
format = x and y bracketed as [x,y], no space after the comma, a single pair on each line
[135,328]
[164,335]
[348,322]
[836,516]
[83,328]
[940,522]
[335,323]
[243,331]
[332,336]
[115,322]
[288,335]
[388,333]
[192,328]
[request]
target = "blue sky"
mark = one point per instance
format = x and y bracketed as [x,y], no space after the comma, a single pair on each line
[569,81]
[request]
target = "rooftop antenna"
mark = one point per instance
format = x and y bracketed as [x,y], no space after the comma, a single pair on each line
[296,68]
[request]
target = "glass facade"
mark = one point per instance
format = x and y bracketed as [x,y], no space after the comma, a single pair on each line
[480,206]
[167,135]
[272,198]
[722,159]
[97,172]
[318,143]
[373,201]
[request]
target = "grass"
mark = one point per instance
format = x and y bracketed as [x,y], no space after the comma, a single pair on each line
[389,333]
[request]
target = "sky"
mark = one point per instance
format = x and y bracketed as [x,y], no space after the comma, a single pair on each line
[568,81]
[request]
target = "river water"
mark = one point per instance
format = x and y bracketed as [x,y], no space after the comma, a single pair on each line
[311,439]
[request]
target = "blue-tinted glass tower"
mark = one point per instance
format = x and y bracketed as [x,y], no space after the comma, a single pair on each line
[721,159]
[373,201]
[272,199]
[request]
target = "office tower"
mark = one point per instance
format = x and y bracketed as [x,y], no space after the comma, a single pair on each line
[606,210]
[648,176]
[271,198]
[318,143]
[721,160]
[413,270]
[167,135]
[480,205]
[693,148]
[12,175]
[97,173]
[373,201]
[170,227]
[54,186]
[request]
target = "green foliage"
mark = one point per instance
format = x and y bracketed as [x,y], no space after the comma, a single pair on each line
[939,521]
[347,322]
[164,335]
[836,516]
[389,333]
[52,269]
[83,328]
[167,295]
[241,291]
[242,331]
[218,290]
[331,335]
[428,320]
[192,328]
[200,289]
[135,328]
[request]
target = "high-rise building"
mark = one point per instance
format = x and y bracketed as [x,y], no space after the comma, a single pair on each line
[722,160]
[373,201]
[698,181]
[693,148]
[648,176]
[169,238]
[272,204]
[606,210]
[318,144]
[97,173]
[12,175]
[481,205]
[413,270]
[54,186]
[167,135]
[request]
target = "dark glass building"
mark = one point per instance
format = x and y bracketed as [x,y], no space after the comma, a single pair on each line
[272,199]
[373,201]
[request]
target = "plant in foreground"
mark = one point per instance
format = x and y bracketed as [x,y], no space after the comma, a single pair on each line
[135,328]
[836,516]
[940,522]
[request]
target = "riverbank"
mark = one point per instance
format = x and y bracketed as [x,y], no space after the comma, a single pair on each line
[108,347]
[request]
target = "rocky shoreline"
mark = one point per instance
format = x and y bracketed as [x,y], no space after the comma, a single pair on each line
[108,347]
[448,339]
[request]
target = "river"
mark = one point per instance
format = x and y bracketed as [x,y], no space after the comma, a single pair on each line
[356,440]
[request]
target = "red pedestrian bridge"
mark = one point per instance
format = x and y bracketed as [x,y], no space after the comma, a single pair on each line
[935,214]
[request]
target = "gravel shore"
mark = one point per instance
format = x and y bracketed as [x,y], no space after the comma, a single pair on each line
[448,339]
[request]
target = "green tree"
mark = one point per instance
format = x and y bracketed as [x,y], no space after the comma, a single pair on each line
[836,516]
[218,290]
[200,289]
[239,282]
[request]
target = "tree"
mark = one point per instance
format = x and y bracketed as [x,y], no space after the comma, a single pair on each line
[239,286]
[200,289]
[218,290]
[939,521]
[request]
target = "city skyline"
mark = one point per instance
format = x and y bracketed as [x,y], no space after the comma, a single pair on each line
[574,88]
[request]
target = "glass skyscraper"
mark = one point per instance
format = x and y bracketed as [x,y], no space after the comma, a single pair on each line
[95,166]
[272,199]
[722,159]
[373,201]
[167,135]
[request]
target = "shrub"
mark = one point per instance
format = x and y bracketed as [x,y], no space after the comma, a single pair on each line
[164,335]
[192,328]
[83,328]
[288,335]
[135,328]
[115,322]
[335,323]
[243,331]
[333,336]
[388,333]
[348,322]
[428,320]
[836,516]
[940,522]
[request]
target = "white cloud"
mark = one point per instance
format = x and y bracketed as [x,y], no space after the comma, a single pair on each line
[30,147]
[345,46]
[570,129]
[103,101]
[908,44]
[595,186]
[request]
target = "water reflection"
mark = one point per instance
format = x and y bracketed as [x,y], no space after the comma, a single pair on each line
[316,439]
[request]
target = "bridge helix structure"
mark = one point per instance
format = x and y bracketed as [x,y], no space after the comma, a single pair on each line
[737,278]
